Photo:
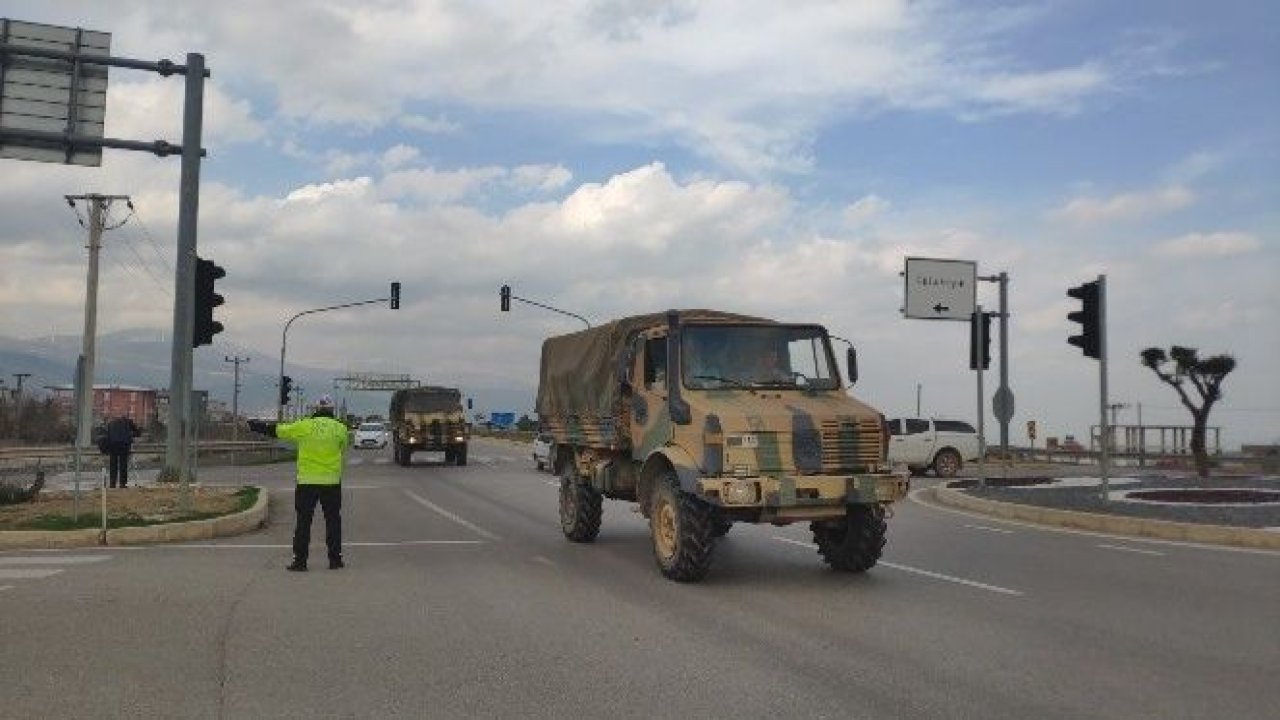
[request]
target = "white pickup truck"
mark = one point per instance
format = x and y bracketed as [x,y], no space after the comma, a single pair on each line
[944,445]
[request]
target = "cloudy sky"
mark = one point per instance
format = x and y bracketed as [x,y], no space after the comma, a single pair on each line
[611,157]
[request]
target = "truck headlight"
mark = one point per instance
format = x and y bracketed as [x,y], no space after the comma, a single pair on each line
[739,492]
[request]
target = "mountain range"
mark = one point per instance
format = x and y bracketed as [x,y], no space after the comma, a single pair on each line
[141,358]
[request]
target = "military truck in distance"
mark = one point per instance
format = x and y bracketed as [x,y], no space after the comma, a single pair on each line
[429,419]
[707,419]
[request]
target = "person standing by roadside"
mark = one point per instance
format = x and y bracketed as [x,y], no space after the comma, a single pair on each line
[322,442]
[117,443]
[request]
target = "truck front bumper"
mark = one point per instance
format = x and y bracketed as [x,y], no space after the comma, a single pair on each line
[801,497]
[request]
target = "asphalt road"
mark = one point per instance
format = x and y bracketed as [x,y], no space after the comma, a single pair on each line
[462,599]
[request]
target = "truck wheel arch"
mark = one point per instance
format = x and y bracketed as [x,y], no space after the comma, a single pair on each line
[665,459]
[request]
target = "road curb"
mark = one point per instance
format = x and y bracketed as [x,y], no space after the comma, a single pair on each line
[1114,524]
[224,526]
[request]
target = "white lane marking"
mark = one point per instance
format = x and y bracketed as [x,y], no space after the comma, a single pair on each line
[54,560]
[990,529]
[1131,550]
[6,587]
[918,571]
[915,497]
[543,560]
[552,483]
[464,523]
[26,574]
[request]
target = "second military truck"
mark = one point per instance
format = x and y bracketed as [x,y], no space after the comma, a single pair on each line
[429,419]
[707,419]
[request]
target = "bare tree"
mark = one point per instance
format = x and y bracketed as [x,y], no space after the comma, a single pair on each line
[1205,376]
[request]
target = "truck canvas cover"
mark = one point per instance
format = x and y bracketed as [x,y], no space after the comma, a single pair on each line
[579,371]
[428,399]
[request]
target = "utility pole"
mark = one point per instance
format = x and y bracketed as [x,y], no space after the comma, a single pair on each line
[99,205]
[235,395]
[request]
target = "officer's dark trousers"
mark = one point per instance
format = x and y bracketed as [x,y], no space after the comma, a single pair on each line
[305,498]
[119,465]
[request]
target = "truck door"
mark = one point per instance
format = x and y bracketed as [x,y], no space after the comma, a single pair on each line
[650,426]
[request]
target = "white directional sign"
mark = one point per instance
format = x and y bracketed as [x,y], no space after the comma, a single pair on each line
[940,289]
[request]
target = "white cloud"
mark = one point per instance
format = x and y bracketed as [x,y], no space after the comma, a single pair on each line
[438,125]
[1207,245]
[864,209]
[399,156]
[432,185]
[323,191]
[1126,206]
[543,178]
[152,109]
[702,73]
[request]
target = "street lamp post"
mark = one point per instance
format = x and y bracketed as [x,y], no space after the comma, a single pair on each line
[394,299]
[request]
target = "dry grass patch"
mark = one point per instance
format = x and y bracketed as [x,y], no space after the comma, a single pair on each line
[126,507]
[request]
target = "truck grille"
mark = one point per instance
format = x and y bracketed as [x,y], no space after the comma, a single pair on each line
[849,444]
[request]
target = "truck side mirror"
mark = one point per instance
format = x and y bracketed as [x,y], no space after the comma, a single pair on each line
[852,361]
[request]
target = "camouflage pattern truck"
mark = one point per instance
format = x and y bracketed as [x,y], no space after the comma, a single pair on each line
[429,419]
[707,419]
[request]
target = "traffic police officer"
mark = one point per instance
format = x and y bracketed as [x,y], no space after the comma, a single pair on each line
[322,441]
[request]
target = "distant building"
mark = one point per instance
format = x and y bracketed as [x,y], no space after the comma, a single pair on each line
[110,401]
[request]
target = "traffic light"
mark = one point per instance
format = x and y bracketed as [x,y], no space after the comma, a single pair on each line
[979,340]
[395,296]
[206,299]
[1090,318]
[286,387]
[505,295]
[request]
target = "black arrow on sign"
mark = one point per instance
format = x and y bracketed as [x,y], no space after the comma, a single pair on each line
[940,308]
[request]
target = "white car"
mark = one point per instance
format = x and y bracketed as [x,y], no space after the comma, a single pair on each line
[542,452]
[370,435]
[924,443]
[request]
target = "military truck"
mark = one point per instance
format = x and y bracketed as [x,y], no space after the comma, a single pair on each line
[430,419]
[707,419]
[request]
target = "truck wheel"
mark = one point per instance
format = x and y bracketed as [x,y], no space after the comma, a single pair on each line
[397,453]
[448,456]
[721,526]
[580,509]
[683,531]
[946,463]
[460,456]
[854,543]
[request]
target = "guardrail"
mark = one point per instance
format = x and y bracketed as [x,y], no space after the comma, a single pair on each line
[67,451]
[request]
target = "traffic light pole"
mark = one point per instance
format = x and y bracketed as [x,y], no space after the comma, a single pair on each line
[284,336]
[1104,455]
[506,296]
[176,458]
[979,365]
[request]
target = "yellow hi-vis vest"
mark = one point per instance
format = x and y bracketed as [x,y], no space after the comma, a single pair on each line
[321,442]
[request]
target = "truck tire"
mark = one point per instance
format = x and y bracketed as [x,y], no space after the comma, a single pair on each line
[683,530]
[854,543]
[581,508]
[460,455]
[399,454]
[720,526]
[946,463]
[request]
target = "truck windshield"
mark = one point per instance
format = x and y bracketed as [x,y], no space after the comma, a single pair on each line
[727,356]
